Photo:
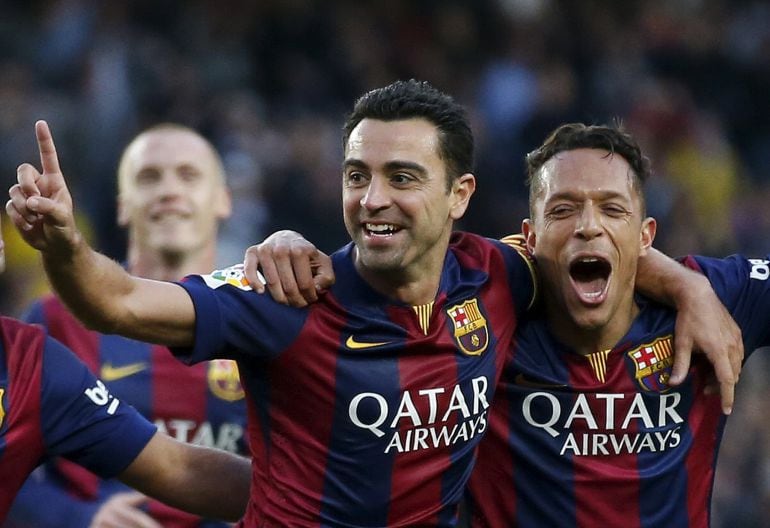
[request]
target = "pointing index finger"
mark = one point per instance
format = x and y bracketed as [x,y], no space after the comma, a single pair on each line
[48,157]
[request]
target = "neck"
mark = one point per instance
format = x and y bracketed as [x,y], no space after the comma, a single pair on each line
[170,266]
[413,287]
[586,339]
[414,292]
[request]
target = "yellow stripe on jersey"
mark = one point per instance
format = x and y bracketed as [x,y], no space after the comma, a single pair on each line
[424,312]
[598,361]
[663,347]
[519,243]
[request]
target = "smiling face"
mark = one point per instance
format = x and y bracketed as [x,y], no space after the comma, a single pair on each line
[172,192]
[397,208]
[587,234]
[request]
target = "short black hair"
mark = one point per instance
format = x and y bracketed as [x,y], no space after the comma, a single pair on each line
[415,99]
[572,136]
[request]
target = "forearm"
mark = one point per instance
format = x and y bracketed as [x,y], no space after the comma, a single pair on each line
[665,280]
[208,482]
[90,284]
[108,299]
[703,323]
[218,483]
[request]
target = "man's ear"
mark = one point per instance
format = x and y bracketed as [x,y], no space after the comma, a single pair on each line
[647,235]
[462,190]
[224,204]
[528,230]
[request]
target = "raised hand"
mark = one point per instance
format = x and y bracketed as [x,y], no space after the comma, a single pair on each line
[40,205]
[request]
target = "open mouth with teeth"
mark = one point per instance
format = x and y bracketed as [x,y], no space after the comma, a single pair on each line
[170,215]
[380,229]
[590,278]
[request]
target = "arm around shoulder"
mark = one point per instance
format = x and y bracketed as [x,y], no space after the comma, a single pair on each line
[703,323]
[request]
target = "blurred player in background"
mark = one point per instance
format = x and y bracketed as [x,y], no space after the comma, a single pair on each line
[172,197]
[52,405]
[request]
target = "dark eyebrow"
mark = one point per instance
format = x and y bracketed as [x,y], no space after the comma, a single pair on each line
[604,195]
[354,163]
[391,166]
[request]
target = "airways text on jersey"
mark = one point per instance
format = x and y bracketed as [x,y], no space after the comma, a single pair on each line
[452,416]
[603,424]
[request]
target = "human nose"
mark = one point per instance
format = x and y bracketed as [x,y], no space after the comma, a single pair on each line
[169,185]
[377,195]
[589,224]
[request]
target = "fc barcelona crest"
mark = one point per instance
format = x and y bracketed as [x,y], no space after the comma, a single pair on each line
[470,327]
[224,381]
[653,364]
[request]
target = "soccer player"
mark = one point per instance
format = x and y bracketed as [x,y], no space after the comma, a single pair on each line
[367,406]
[51,405]
[172,196]
[585,429]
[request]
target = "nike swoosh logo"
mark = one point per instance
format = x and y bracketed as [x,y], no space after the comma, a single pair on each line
[520,379]
[352,344]
[110,373]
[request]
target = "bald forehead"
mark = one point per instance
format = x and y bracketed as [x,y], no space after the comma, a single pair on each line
[165,148]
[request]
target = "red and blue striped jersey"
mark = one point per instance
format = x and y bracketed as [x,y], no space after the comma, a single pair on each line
[365,411]
[603,440]
[51,404]
[203,404]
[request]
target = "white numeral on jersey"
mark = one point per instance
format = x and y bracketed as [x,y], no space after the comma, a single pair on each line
[760,269]
[101,396]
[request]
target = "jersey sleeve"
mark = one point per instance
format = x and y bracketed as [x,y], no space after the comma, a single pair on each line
[82,421]
[743,285]
[233,321]
[522,271]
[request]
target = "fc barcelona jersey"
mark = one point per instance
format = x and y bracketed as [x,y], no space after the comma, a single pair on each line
[365,411]
[203,404]
[603,440]
[50,404]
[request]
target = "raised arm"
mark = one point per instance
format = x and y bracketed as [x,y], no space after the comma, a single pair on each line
[205,481]
[97,290]
[702,323]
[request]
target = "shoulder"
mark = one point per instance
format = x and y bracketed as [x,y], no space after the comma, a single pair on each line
[473,249]
[480,246]
[232,276]
[18,333]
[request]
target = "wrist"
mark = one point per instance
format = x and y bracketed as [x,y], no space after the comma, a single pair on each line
[688,288]
[67,248]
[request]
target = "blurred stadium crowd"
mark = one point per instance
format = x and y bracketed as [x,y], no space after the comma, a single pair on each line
[269,82]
